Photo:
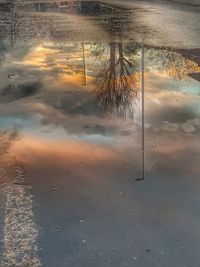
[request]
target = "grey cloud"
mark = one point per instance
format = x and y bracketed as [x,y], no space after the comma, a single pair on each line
[100,129]
[13,92]
[76,103]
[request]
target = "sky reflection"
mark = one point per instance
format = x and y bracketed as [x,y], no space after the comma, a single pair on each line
[62,108]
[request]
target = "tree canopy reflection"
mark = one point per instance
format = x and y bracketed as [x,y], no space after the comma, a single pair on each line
[172,62]
[117,83]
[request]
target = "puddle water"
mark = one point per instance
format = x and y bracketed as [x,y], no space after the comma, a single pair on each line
[77,80]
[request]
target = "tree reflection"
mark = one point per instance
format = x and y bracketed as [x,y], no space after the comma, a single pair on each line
[2,52]
[116,85]
[172,62]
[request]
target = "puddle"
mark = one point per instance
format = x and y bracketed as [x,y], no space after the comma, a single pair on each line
[76,84]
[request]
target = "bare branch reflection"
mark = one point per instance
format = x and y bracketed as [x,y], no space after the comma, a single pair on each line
[116,85]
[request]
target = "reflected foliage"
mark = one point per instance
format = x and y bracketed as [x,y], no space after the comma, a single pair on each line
[2,52]
[172,62]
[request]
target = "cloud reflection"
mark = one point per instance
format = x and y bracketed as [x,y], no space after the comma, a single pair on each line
[62,110]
